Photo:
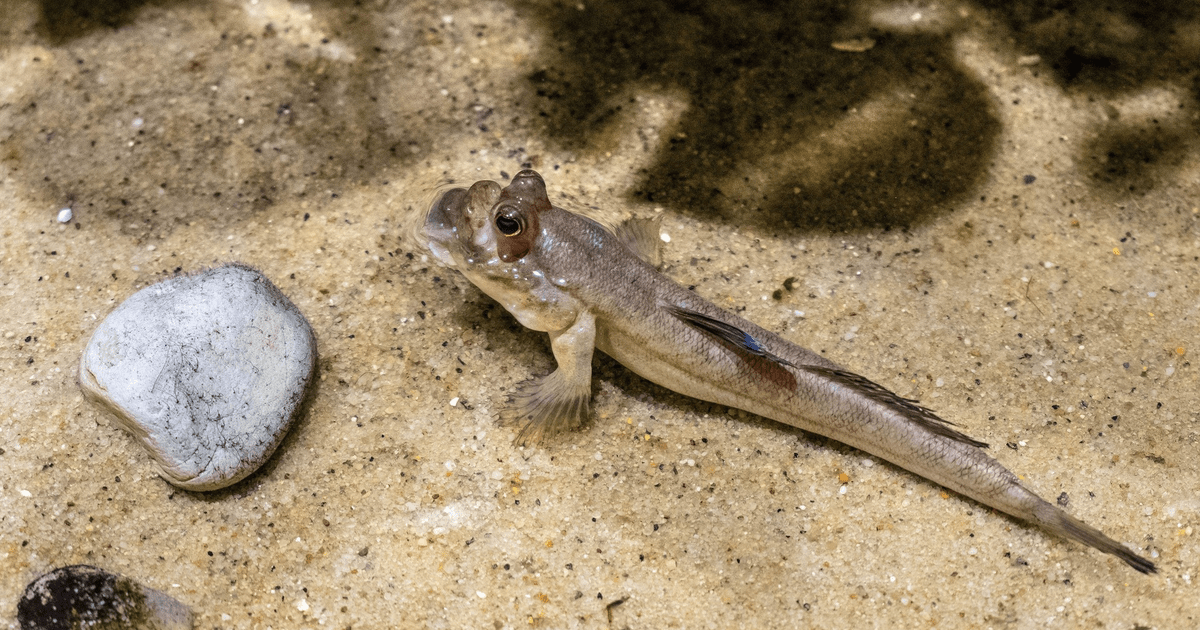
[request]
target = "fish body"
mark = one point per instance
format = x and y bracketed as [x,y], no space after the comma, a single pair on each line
[589,286]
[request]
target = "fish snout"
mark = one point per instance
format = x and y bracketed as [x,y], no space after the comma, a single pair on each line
[446,210]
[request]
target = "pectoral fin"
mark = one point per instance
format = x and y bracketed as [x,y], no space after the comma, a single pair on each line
[559,401]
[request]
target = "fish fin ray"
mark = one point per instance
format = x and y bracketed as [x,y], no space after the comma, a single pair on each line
[545,407]
[642,237]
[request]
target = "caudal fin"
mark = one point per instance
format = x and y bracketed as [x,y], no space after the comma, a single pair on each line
[1063,524]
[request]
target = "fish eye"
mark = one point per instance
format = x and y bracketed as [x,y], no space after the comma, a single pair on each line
[508,226]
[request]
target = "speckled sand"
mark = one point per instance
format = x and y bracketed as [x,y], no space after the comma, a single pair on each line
[993,209]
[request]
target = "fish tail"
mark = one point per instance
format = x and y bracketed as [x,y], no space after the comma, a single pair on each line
[915,438]
[1059,522]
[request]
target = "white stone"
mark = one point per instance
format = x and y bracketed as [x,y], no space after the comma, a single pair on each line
[207,371]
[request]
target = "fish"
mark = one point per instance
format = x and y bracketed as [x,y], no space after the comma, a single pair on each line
[591,287]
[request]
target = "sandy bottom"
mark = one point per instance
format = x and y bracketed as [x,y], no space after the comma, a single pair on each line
[988,206]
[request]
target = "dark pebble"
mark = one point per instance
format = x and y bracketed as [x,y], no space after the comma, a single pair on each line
[82,596]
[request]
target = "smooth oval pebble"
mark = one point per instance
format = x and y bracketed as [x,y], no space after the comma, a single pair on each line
[82,596]
[207,370]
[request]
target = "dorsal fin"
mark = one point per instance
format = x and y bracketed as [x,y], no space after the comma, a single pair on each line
[642,237]
[861,385]
[726,332]
[906,407]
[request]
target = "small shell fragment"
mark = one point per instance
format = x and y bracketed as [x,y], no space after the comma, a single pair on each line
[861,44]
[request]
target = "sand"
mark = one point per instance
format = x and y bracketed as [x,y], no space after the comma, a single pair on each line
[990,207]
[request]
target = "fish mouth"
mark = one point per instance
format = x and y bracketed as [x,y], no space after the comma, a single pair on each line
[440,231]
[455,228]
[444,211]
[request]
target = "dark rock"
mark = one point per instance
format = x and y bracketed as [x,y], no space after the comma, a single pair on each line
[82,596]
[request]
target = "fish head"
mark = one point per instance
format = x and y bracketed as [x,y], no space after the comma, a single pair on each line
[486,224]
[492,236]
